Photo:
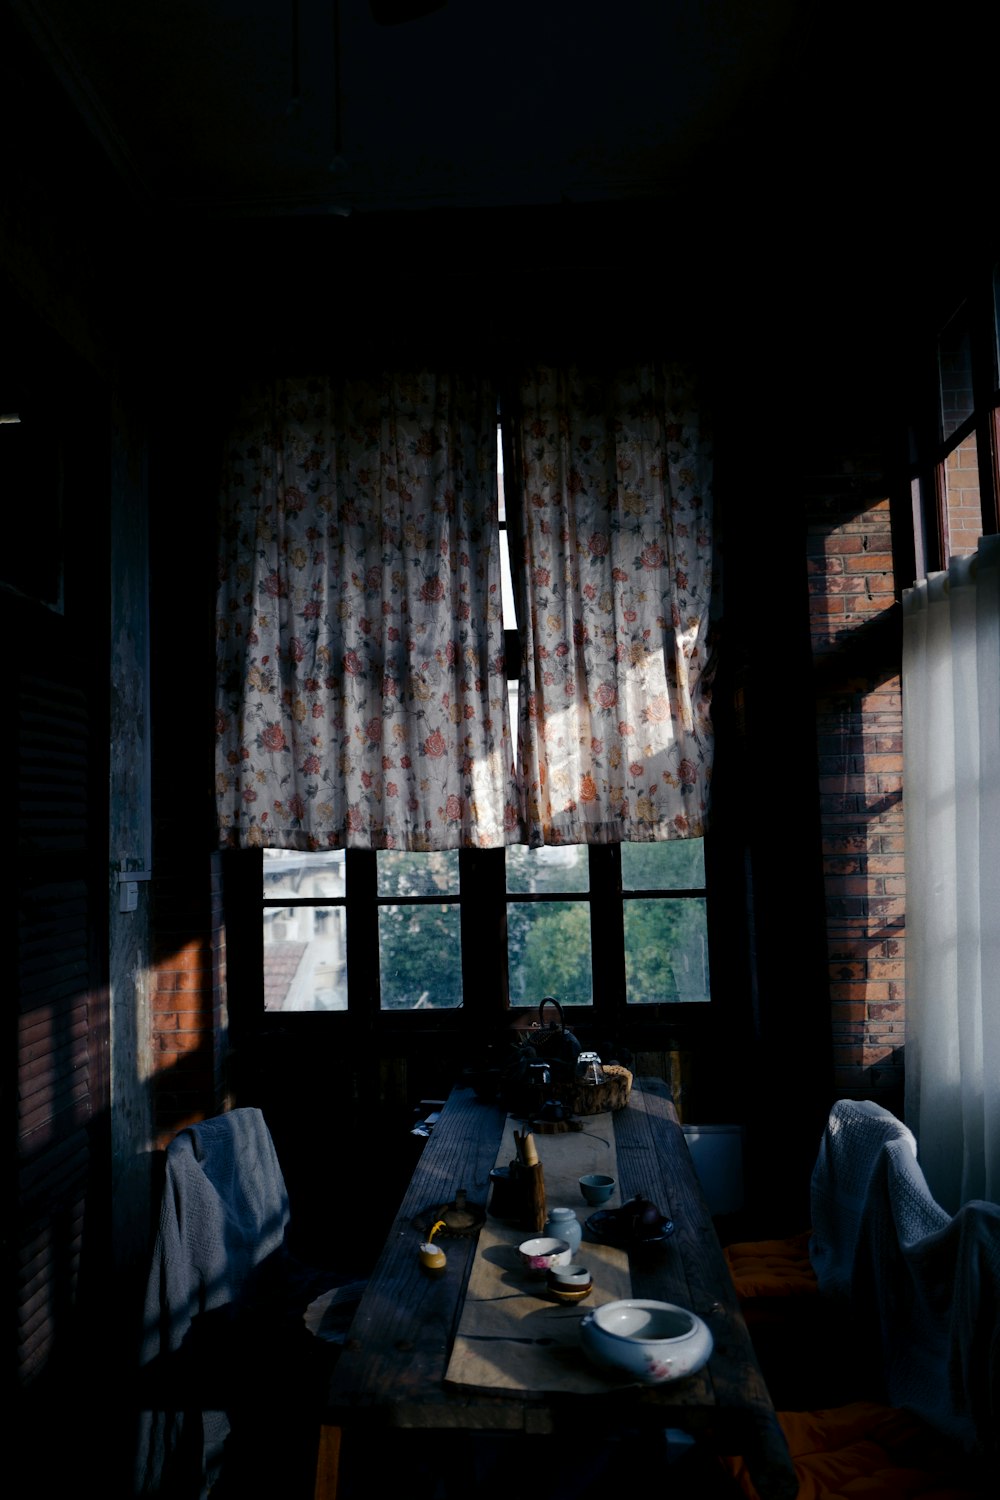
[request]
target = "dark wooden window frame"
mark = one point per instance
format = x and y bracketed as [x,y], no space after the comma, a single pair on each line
[926,498]
[482,900]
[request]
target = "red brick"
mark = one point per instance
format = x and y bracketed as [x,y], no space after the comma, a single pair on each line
[200,980]
[188,1002]
[826,606]
[848,971]
[861,604]
[818,586]
[840,543]
[180,1041]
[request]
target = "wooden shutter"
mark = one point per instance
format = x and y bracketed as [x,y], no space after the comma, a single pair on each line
[59,1004]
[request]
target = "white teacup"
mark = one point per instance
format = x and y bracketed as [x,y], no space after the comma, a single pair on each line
[541,1254]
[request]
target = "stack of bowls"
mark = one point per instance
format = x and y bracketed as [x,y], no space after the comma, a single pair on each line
[569,1283]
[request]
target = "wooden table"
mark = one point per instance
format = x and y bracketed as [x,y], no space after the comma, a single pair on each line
[391,1371]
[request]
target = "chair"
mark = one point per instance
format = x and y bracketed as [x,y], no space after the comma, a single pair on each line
[869,1451]
[762,1269]
[856,1133]
[922,1309]
[811,1260]
[925,1287]
[793,1290]
[230,1377]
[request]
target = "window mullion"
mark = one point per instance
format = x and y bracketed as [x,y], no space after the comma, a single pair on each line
[482,895]
[363,989]
[607,931]
[984,371]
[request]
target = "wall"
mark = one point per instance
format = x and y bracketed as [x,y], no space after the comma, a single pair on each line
[189,1033]
[854,629]
[129,739]
[77,1150]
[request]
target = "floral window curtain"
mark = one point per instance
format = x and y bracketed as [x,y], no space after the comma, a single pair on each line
[361,691]
[615,739]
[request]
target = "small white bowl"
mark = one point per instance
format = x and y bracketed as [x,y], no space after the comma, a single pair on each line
[653,1342]
[570,1276]
[540,1255]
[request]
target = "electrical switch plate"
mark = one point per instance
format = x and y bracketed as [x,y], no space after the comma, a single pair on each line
[128,895]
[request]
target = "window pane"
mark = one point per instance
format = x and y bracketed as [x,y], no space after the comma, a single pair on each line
[420,957]
[506,581]
[962,506]
[666,951]
[677,865]
[548,952]
[305,964]
[402,874]
[547,871]
[955,367]
[291,872]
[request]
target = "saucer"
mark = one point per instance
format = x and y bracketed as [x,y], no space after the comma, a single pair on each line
[569,1294]
[458,1217]
[606,1225]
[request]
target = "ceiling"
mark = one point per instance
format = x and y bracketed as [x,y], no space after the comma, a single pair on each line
[263,107]
[801,182]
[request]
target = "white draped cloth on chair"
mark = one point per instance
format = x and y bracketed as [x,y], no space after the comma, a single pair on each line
[615,739]
[361,687]
[951,783]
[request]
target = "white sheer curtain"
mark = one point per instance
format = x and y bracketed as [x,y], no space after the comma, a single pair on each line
[951,783]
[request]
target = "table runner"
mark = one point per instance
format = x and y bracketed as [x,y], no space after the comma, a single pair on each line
[511,1335]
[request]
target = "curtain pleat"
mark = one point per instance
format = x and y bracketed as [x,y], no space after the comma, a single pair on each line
[951,749]
[614,734]
[362,697]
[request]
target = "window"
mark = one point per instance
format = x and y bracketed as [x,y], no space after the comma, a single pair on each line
[305,930]
[955,444]
[950,629]
[591,926]
[419,930]
[600,927]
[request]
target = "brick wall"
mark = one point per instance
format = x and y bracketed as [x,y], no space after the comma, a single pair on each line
[854,634]
[964,509]
[189,1020]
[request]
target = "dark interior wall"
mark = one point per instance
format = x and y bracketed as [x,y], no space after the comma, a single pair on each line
[77,1220]
[54,1078]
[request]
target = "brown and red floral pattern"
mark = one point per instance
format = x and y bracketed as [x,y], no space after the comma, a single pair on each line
[362,699]
[615,738]
[361,684]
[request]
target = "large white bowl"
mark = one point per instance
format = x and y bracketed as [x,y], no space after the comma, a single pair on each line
[652,1342]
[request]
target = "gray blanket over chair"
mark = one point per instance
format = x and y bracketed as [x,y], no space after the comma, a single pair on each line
[224,1210]
[849,1153]
[923,1287]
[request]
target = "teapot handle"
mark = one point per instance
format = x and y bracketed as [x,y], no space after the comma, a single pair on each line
[551,1000]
